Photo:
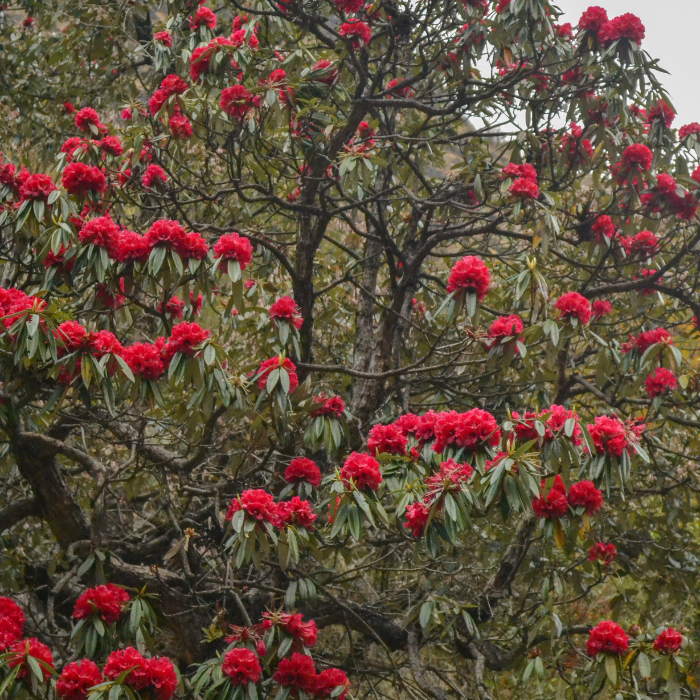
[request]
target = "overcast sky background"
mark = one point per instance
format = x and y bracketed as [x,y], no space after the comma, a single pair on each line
[671,36]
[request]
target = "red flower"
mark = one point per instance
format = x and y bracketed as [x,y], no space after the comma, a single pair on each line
[236,101]
[111,145]
[363,470]
[526,189]
[104,343]
[285,308]
[449,477]
[295,512]
[389,439]
[554,505]
[350,5]
[644,244]
[593,19]
[169,233]
[37,186]
[144,360]
[603,227]
[333,406]
[601,308]
[470,430]
[523,171]
[584,494]
[257,503]
[174,306]
[636,157]
[153,175]
[469,273]
[72,337]
[87,116]
[241,666]
[180,126]
[303,469]
[102,232]
[328,681]
[11,623]
[184,338]
[162,676]
[173,85]
[157,100]
[204,18]
[392,89]
[129,246]
[294,625]
[416,517]
[688,129]
[504,327]
[106,601]
[357,30]
[661,110]
[627,26]
[164,38]
[610,436]
[20,650]
[607,637]
[646,339]
[668,642]
[77,678]
[274,363]
[574,305]
[70,109]
[127,114]
[232,246]
[139,676]
[324,71]
[81,178]
[297,672]
[603,553]
[660,382]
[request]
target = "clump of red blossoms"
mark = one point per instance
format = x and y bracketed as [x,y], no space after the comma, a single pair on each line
[607,638]
[72,337]
[180,126]
[524,182]
[668,642]
[417,517]
[660,381]
[236,101]
[101,232]
[471,430]
[11,623]
[106,601]
[104,343]
[350,5]
[77,678]
[505,327]
[644,244]
[333,406]
[449,478]
[303,469]
[363,470]
[389,439]
[204,17]
[554,419]
[574,305]
[294,625]
[646,339]
[232,246]
[627,26]
[23,648]
[86,117]
[144,360]
[257,503]
[286,309]
[153,176]
[163,37]
[554,504]
[603,227]
[111,145]
[603,553]
[275,363]
[392,89]
[295,512]
[687,130]
[584,494]
[611,436]
[601,308]
[358,31]
[297,672]
[241,666]
[661,110]
[635,159]
[81,178]
[156,674]
[469,273]
[37,186]
[593,19]
[184,338]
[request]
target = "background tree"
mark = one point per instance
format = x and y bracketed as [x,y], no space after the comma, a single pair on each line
[360,329]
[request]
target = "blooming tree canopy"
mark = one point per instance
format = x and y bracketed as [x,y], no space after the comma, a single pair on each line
[347,350]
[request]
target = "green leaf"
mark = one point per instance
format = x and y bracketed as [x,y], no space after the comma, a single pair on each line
[611,668]
[426,613]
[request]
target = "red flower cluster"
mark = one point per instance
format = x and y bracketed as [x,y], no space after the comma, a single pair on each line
[603,227]
[295,512]
[77,678]
[574,305]
[612,437]
[555,504]
[163,37]
[643,244]
[584,494]
[660,382]
[350,5]
[661,110]
[324,71]
[276,363]
[450,477]
[646,339]
[144,360]
[23,648]
[111,145]
[241,666]
[204,17]
[14,301]
[294,625]
[203,55]
[101,232]
[333,406]
[593,19]
[607,637]
[602,552]
[389,439]
[627,26]
[636,158]
[88,116]
[554,419]
[236,101]
[299,674]
[180,126]
[574,144]
[668,642]
[170,234]
[11,623]
[417,517]
[688,129]
[358,31]
[469,273]
[303,469]
[363,470]
[184,338]
[37,186]
[392,89]
[524,180]
[470,430]
[156,675]
[505,327]
[232,246]
[72,337]
[80,178]
[286,309]
[107,602]
[154,174]
[601,308]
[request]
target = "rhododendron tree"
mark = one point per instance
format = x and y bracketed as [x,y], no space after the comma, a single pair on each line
[347,350]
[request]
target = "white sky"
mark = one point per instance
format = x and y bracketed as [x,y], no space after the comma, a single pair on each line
[671,36]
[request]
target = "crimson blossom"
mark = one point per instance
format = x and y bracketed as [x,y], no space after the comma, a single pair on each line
[607,638]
